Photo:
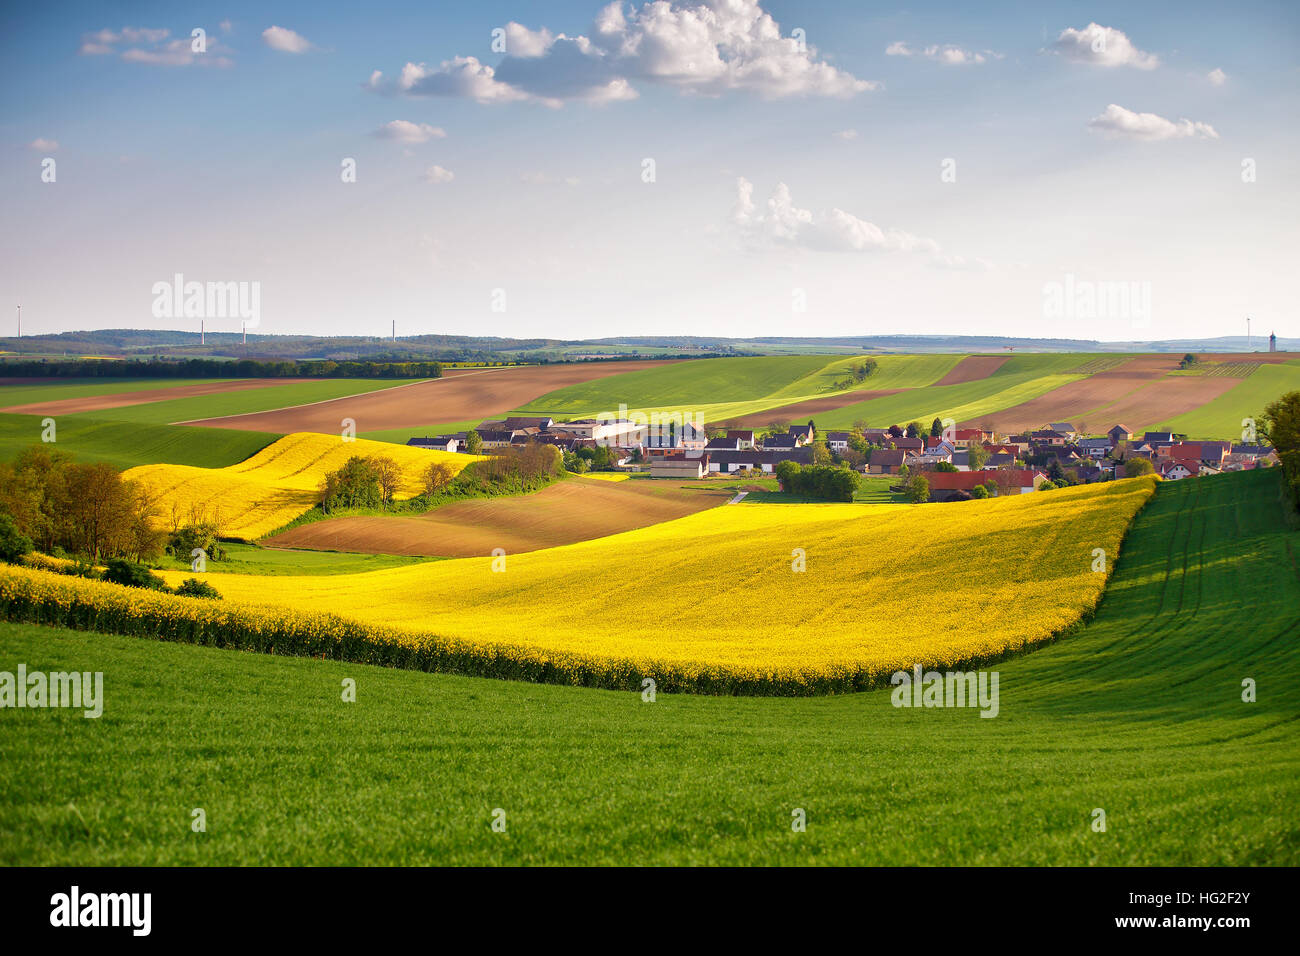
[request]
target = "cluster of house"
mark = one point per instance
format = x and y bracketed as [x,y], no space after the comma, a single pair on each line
[684,451]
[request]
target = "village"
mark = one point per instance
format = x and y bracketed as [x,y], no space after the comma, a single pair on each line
[956,463]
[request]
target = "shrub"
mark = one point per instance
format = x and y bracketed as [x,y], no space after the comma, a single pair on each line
[193,587]
[132,575]
[979,491]
[13,543]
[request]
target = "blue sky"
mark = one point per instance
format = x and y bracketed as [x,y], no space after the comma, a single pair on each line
[796,191]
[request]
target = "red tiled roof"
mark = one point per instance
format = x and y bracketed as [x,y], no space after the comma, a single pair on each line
[966,480]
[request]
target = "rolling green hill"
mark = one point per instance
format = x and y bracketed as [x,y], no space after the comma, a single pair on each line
[125,444]
[1221,417]
[681,384]
[1138,713]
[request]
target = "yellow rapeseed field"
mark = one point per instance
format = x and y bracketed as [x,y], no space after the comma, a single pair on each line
[716,597]
[279,483]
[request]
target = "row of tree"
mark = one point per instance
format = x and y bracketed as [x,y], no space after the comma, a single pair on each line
[217,368]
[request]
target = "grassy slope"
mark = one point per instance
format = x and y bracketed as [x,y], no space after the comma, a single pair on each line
[55,389]
[1221,417]
[1020,379]
[1138,713]
[249,400]
[252,559]
[126,444]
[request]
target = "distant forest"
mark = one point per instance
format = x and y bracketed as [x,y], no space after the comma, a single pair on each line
[215,368]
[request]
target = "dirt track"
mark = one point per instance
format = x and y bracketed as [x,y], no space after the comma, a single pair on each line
[570,511]
[973,368]
[802,411]
[472,395]
[96,403]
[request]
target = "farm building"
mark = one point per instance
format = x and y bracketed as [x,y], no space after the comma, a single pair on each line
[764,459]
[886,461]
[679,465]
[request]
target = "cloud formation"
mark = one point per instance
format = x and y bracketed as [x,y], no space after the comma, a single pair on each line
[1102,46]
[285,40]
[43,145]
[946,54]
[705,47]
[437,175]
[153,46]
[1117,122]
[404,131]
[781,222]
[1217,77]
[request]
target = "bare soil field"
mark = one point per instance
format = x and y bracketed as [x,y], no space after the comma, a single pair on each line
[96,403]
[1136,394]
[973,368]
[802,411]
[472,394]
[573,510]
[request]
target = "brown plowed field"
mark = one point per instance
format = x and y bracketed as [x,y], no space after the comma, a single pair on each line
[473,395]
[573,510]
[96,403]
[973,368]
[801,411]
[1135,394]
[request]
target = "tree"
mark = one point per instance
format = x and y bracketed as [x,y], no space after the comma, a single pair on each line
[979,491]
[473,442]
[936,428]
[437,476]
[945,466]
[1188,361]
[389,476]
[917,490]
[820,453]
[1281,427]
[13,543]
[977,456]
[915,430]
[1136,467]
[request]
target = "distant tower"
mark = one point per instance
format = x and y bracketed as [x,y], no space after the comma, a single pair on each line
[20,321]
[394,330]
[202,333]
[1272,341]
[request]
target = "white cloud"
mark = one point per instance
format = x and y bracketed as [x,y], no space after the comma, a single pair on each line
[226,26]
[152,47]
[781,222]
[436,175]
[404,131]
[285,40]
[847,135]
[1217,77]
[703,47]
[523,42]
[1121,123]
[946,54]
[1102,46]
[42,145]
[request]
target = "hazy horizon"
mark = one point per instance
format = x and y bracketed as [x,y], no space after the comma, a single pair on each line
[1097,173]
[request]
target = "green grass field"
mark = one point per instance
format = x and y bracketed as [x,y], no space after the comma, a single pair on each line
[55,389]
[1138,713]
[1020,379]
[252,559]
[126,444]
[249,400]
[1221,417]
[682,385]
